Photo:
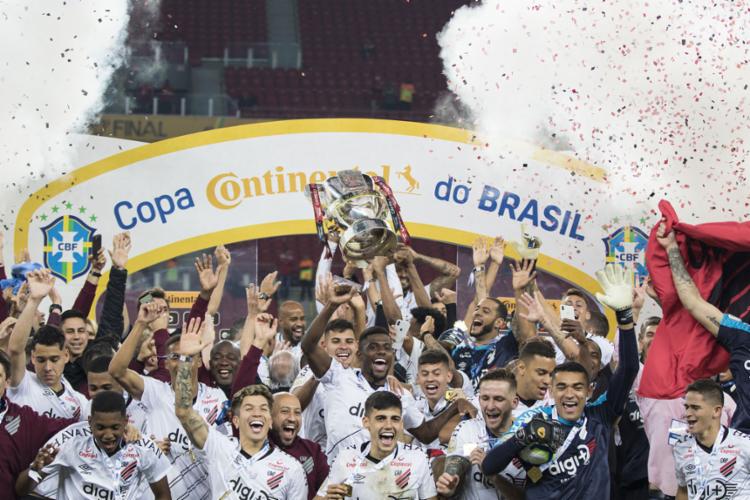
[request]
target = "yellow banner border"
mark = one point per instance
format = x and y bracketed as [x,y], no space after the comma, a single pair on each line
[283,228]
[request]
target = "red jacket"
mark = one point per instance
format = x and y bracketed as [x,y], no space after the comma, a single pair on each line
[716,257]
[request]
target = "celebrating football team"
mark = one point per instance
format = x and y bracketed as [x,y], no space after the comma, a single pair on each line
[385,393]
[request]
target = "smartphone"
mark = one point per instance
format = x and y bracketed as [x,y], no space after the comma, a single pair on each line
[340,282]
[96,245]
[567,312]
[146,299]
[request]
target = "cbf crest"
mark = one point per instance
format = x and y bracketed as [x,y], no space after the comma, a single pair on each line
[67,240]
[627,246]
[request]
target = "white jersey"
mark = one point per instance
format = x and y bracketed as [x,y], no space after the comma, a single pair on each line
[137,417]
[269,474]
[346,392]
[722,473]
[410,302]
[188,475]
[424,406]
[405,474]
[410,362]
[313,417]
[473,433]
[33,393]
[85,471]
[522,407]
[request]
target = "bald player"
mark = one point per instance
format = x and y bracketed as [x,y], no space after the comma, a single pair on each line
[292,325]
[286,417]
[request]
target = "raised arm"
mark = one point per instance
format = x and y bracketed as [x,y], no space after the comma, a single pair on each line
[524,281]
[480,254]
[190,345]
[223,260]
[131,381]
[258,301]
[703,312]
[112,319]
[317,357]
[405,257]
[448,272]
[536,313]
[617,283]
[40,284]
[208,279]
[390,307]
[264,330]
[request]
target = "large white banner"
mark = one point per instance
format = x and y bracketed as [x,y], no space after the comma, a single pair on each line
[221,186]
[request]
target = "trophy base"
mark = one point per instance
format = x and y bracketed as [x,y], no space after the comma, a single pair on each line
[367,238]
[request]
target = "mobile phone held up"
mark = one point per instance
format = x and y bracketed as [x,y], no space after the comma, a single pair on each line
[96,245]
[567,312]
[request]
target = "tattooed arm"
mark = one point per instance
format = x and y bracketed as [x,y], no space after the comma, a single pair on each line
[184,390]
[195,426]
[703,312]
[448,272]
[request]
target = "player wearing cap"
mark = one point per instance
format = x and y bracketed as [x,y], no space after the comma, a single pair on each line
[711,461]
[383,467]
[473,438]
[45,390]
[564,447]
[248,467]
[99,463]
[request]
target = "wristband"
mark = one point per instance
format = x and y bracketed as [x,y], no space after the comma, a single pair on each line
[55,306]
[478,269]
[186,359]
[96,274]
[625,316]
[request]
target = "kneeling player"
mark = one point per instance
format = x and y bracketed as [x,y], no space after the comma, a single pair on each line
[100,464]
[381,468]
[473,438]
[250,467]
[711,461]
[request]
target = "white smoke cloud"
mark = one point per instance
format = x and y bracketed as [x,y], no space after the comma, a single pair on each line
[653,92]
[56,60]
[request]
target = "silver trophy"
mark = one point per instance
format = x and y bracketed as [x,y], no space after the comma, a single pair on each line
[362,210]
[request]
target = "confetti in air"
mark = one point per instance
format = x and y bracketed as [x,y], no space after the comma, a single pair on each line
[656,93]
[56,59]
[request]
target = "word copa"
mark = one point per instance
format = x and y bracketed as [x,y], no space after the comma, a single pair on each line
[128,215]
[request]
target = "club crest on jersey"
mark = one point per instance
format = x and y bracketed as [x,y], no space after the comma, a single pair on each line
[12,424]
[402,479]
[274,479]
[307,463]
[627,246]
[67,240]
[127,472]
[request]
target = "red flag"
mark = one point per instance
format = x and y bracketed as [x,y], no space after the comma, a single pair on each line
[715,256]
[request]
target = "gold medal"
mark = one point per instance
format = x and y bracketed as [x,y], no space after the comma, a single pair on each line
[534,474]
[450,395]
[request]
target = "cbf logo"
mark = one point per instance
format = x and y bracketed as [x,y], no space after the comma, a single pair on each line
[627,246]
[67,240]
